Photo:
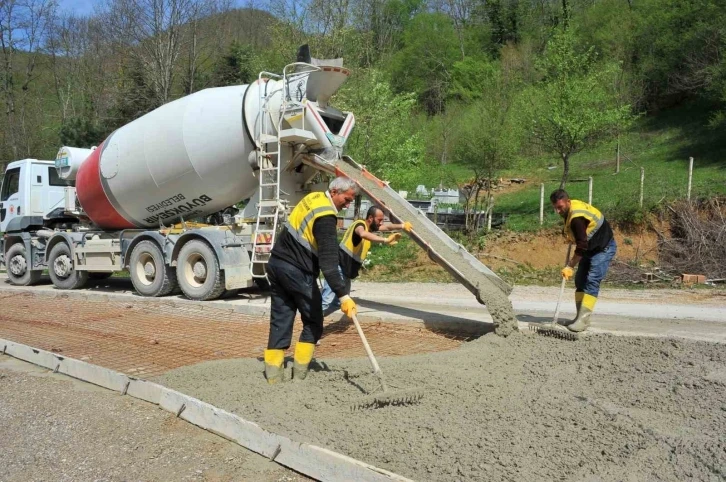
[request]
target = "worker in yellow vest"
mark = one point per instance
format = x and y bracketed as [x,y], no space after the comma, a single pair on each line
[595,247]
[354,248]
[307,245]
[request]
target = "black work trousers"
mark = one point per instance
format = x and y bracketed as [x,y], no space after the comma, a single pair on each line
[293,290]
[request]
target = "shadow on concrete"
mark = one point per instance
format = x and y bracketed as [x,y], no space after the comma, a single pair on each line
[535,319]
[445,325]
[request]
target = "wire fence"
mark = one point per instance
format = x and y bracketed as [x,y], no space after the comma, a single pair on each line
[579,193]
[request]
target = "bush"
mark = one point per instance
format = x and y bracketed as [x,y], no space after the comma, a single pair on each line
[391,256]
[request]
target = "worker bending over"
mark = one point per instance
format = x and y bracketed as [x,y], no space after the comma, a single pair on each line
[307,245]
[354,249]
[589,231]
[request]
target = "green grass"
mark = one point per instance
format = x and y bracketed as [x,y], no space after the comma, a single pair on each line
[662,145]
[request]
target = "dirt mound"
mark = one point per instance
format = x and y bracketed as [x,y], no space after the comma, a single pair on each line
[546,249]
[521,408]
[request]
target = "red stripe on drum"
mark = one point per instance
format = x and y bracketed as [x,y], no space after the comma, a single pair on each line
[93,199]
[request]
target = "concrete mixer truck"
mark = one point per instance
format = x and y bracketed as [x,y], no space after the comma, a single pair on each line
[129,203]
[133,202]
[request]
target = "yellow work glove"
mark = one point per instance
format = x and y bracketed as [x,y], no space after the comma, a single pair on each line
[407,226]
[393,239]
[567,272]
[347,306]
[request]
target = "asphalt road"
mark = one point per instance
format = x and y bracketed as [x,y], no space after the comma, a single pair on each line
[698,314]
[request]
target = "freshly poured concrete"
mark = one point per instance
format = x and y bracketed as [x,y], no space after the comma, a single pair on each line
[524,407]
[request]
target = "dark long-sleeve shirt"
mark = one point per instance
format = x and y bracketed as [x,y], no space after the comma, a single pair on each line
[597,243]
[325,230]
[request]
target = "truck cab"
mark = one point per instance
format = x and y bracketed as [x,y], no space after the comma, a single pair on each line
[30,191]
[30,188]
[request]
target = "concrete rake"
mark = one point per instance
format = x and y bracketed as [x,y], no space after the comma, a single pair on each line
[553,329]
[388,397]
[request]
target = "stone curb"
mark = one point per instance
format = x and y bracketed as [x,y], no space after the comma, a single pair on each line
[316,462]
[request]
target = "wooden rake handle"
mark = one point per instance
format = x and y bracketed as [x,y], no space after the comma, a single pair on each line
[562,287]
[369,352]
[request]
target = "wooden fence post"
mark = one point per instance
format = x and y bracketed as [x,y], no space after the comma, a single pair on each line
[642,179]
[589,190]
[617,157]
[356,208]
[690,177]
[541,204]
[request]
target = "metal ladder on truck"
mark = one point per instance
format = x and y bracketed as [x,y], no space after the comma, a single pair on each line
[270,206]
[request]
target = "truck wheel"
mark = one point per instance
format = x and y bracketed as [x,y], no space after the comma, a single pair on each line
[149,273]
[18,267]
[197,270]
[61,271]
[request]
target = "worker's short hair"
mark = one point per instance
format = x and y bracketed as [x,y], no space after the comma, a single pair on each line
[342,184]
[372,211]
[558,195]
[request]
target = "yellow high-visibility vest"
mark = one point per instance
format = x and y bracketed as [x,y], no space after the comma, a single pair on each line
[579,209]
[359,252]
[301,220]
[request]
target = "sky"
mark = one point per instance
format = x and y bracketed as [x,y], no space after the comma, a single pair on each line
[79,7]
[85,7]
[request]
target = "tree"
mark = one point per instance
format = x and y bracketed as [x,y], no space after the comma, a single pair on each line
[383,22]
[384,139]
[574,105]
[66,47]
[236,67]
[134,98]
[23,26]
[423,65]
[197,36]
[489,140]
[80,132]
[155,33]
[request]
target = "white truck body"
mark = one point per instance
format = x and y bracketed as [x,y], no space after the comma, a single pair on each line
[191,158]
[31,187]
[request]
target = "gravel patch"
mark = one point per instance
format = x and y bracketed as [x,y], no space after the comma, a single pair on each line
[55,428]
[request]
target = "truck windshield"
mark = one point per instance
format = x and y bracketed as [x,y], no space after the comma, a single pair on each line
[11,183]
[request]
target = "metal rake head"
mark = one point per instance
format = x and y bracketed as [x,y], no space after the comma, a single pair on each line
[555,331]
[394,399]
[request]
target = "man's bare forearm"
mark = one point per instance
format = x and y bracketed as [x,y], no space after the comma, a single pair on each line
[390,227]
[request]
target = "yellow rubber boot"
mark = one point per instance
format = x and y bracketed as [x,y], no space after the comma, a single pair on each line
[582,322]
[301,361]
[579,295]
[273,365]
[578,303]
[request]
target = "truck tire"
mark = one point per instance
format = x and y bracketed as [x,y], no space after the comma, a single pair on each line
[18,267]
[149,273]
[61,271]
[198,272]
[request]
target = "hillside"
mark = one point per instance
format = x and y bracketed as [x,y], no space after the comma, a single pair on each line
[660,144]
[441,96]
